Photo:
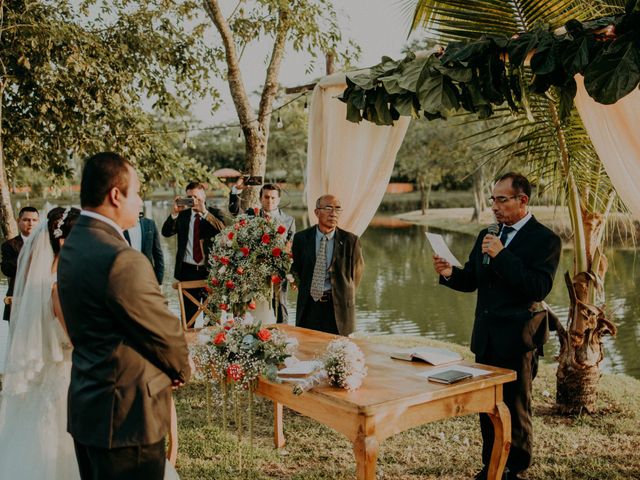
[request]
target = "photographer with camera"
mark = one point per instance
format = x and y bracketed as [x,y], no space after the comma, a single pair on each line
[196,225]
[270,201]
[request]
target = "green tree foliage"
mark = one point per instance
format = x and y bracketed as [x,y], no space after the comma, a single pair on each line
[74,77]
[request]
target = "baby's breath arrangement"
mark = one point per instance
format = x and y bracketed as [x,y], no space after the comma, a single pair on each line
[344,367]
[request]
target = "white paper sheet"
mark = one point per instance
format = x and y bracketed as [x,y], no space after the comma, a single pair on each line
[441,249]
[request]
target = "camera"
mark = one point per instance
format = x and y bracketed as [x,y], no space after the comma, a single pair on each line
[251,180]
[185,202]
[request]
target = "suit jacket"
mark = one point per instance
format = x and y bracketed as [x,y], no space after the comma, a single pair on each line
[287,220]
[151,246]
[180,226]
[346,270]
[518,276]
[10,251]
[128,346]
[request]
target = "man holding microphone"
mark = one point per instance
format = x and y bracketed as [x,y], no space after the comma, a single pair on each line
[511,269]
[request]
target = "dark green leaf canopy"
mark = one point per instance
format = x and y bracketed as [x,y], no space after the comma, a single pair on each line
[483,74]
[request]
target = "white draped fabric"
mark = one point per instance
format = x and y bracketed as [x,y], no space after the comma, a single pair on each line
[613,131]
[352,161]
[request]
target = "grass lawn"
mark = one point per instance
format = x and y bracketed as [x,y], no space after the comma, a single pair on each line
[604,446]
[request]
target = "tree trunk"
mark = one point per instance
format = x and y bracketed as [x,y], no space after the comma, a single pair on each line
[8,221]
[479,203]
[423,198]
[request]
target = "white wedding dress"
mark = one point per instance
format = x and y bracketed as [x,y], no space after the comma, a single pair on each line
[34,442]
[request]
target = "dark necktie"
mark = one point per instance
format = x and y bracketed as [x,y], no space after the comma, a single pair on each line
[505,233]
[197,249]
[127,237]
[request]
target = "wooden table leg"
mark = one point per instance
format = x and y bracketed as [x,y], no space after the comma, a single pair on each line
[365,449]
[172,444]
[501,420]
[278,434]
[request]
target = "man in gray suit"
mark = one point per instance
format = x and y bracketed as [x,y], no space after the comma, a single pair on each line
[128,347]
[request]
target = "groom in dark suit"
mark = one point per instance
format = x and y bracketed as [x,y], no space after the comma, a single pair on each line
[328,264]
[27,220]
[128,348]
[511,272]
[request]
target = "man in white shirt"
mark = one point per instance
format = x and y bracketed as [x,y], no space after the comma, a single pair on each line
[196,227]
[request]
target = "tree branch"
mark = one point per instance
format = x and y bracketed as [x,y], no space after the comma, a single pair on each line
[234,75]
[270,88]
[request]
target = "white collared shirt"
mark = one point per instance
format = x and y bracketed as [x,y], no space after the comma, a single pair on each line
[104,219]
[516,228]
[188,253]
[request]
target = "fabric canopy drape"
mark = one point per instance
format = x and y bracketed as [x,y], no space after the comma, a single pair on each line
[612,129]
[352,161]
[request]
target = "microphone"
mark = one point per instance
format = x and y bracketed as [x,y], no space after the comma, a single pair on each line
[493,229]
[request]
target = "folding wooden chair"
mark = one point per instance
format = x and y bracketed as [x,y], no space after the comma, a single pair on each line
[183,291]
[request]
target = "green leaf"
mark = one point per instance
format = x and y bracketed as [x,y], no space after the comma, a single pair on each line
[518,48]
[438,95]
[405,106]
[575,54]
[615,72]
[362,79]
[411,72]
[544,60]
[384,116]
[567,94]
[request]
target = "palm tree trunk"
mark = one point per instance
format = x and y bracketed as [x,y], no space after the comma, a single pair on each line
[581,349]
[478,196]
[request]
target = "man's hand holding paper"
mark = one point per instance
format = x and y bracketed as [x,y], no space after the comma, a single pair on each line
[443,259]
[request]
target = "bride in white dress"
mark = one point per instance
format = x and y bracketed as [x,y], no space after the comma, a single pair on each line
[33,401]
[33,408]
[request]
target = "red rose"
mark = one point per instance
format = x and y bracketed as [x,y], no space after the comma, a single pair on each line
[215,282]
[267,217]
[228,324]
[223,306]
[237,226]
[251,305]
[242,222]
[245,251]
[275,279]
[276,252]
[224,260]
[281,229]
[240,270]
[234,372]
[230,235]
[264,335]
[256,211]
[215,257]
[208,289]
[266,238]
[230,285]
[220,338]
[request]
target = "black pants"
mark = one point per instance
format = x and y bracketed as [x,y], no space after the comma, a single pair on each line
[319,316]
[127,463]
[517,397]
[190,272]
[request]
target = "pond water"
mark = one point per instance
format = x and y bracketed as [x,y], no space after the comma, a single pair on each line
[400,292]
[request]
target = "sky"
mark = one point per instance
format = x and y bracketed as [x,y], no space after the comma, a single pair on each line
[379,27]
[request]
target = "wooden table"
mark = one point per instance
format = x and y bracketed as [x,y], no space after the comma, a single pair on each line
[392,399]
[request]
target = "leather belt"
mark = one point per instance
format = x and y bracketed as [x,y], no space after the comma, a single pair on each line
[326,296]
[194,266]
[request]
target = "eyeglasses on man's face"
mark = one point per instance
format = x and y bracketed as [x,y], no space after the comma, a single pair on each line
[500,200]
[330,209]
